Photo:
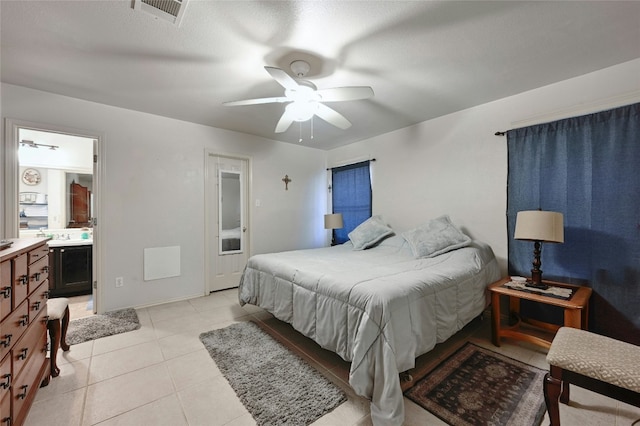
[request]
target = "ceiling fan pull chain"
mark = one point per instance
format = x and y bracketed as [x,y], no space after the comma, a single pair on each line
[311,127]
[300,139]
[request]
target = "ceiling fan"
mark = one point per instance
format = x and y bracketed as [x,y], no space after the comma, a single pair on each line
[305,100]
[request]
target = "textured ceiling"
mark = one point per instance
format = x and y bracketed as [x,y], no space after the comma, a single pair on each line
[422,59]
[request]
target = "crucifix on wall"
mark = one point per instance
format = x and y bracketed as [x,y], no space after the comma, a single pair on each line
[286,181]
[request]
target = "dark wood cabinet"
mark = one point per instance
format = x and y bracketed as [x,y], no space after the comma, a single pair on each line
[71,272]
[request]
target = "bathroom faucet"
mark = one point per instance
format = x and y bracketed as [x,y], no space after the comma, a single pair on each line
[41,233]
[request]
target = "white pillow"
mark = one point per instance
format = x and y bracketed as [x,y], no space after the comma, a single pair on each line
[435,237]
[369,233]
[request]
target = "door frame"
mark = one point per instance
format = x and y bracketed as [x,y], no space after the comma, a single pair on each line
[210,203]
[11,164]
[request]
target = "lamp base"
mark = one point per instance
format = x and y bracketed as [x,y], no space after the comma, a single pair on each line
[540,286]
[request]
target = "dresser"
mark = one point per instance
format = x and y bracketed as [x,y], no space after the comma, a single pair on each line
[24,289]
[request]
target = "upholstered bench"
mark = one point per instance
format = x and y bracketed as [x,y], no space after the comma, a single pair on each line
[598,363]
[58,312]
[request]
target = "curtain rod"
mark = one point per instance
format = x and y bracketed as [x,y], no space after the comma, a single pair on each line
[499,133]
[330,168]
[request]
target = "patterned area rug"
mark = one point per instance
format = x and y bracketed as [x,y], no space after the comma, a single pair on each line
[276,386]
[96,326]
[476,386]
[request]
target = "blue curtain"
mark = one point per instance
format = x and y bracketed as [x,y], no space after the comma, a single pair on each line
[586,168]
[351,196]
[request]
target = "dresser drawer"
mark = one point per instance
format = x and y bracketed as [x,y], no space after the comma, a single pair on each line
[28,380]
[5,376]
[38,253]
[13,327]
[6,289]
[38,300]
[20,279]
[38,272]
[29,345]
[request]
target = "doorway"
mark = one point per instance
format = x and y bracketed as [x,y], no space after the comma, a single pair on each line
[227,218]
[52,190]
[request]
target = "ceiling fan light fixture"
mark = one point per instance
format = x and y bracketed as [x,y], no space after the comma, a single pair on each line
[302,110]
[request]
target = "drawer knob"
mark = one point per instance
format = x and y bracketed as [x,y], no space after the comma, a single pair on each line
[6,340]
[24,279]
[36,305]
[6,381]
[36,276]
[24,320]
[6,420]
[6,292]
[23,353]
[23,394]
[45,269]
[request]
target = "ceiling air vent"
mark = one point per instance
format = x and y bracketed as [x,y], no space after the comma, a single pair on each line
[167,10]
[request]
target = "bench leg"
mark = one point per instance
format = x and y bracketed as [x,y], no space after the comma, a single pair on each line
[54,338]
[564,396]
[58,338]
[63,332]
[551,394]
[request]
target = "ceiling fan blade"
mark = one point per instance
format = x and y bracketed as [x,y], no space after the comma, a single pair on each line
[257,101]
[338,94]
[282,77]
[332,116]
[284,122]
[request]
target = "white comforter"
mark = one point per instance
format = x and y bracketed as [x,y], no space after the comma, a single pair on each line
[378,308]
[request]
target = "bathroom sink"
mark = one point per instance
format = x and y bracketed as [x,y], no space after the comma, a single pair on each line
[75,242]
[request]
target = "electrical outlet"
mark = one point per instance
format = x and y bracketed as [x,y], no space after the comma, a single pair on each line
[119,281]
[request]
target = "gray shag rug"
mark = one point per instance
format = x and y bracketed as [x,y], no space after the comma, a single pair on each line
[96,326]
[276,386]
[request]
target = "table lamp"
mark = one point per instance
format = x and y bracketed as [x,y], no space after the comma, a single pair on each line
[333,221]
[538,226]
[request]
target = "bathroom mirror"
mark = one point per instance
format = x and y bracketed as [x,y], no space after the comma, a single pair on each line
[230,221]
[53,203]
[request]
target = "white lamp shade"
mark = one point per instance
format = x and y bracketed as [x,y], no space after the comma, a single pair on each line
[538,225]
[333,221]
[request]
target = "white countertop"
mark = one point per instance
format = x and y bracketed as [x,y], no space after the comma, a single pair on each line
[66,243]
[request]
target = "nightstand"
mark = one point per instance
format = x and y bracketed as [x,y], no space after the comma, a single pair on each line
[576,311]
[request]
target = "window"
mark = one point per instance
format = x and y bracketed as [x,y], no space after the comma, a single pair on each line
[351,196]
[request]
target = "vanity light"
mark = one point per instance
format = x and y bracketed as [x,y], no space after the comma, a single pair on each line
[32,144]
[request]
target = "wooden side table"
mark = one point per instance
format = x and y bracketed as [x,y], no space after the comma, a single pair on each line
[576,311]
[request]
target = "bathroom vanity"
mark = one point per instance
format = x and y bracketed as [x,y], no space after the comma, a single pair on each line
[70,267]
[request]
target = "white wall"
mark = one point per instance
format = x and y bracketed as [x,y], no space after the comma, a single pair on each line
[153,190]
[456,165]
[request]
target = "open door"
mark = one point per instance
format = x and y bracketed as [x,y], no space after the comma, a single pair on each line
[227,220]
[42,162]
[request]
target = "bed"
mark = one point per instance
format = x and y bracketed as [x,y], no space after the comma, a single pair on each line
[378,308]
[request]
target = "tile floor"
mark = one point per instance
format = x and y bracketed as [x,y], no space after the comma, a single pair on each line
[162,375]
[78,306]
